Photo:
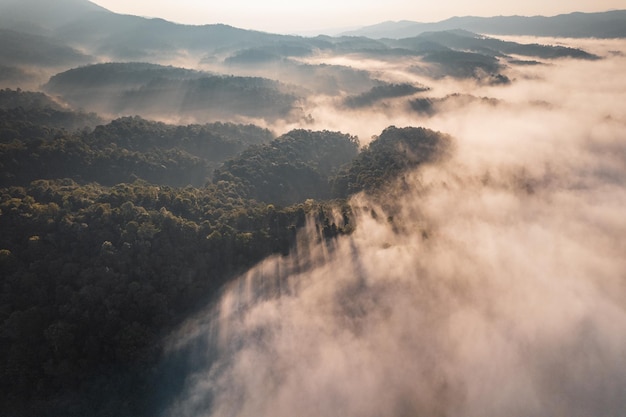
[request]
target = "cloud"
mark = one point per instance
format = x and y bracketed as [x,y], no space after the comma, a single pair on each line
[495,287]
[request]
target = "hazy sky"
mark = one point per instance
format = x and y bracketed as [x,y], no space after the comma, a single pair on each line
[283,16]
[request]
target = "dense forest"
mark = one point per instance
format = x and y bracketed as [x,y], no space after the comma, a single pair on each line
[113,233]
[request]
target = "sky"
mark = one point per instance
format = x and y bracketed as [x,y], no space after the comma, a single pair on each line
[288,16]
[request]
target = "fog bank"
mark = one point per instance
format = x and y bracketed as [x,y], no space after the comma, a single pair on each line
[490,284]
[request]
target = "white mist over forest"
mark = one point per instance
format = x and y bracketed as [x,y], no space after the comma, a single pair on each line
[490,283]
[406,219]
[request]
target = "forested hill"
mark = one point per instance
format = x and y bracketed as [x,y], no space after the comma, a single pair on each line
[36,115]
[113,235]
[297,166]
[163,91]
[122,151]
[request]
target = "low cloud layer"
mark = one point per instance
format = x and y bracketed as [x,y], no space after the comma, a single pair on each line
[495,287]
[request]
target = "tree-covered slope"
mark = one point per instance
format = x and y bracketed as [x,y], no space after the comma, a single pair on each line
[295,167]
[93,276]
[22,49]
[100,256]
[164,91]
[34,144]
[393,153]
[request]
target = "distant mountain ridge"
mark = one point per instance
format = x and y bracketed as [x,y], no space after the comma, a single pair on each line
[61,35]
[85,26]
[82,24]
[44,16]
[611,24]
[29,49]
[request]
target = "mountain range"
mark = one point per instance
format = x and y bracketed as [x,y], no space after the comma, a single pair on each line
[69,40]
[86,26]
[611,24]
[78,31]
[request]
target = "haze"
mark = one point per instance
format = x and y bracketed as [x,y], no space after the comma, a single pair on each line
[489,284]
[279,16]
[208,221]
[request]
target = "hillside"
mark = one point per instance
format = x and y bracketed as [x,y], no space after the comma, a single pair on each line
[295,167]
[105,247]
[158,91]
[82,24]
[43,16]
[20,49]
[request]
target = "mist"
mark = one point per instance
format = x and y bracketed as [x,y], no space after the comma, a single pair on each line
[490,283]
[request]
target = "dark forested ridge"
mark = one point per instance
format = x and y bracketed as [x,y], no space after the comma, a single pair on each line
[388,157]
[113,234]
[429,106]
[10,99]
[382,92]
[297,166]
[23,113]
[38,143]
